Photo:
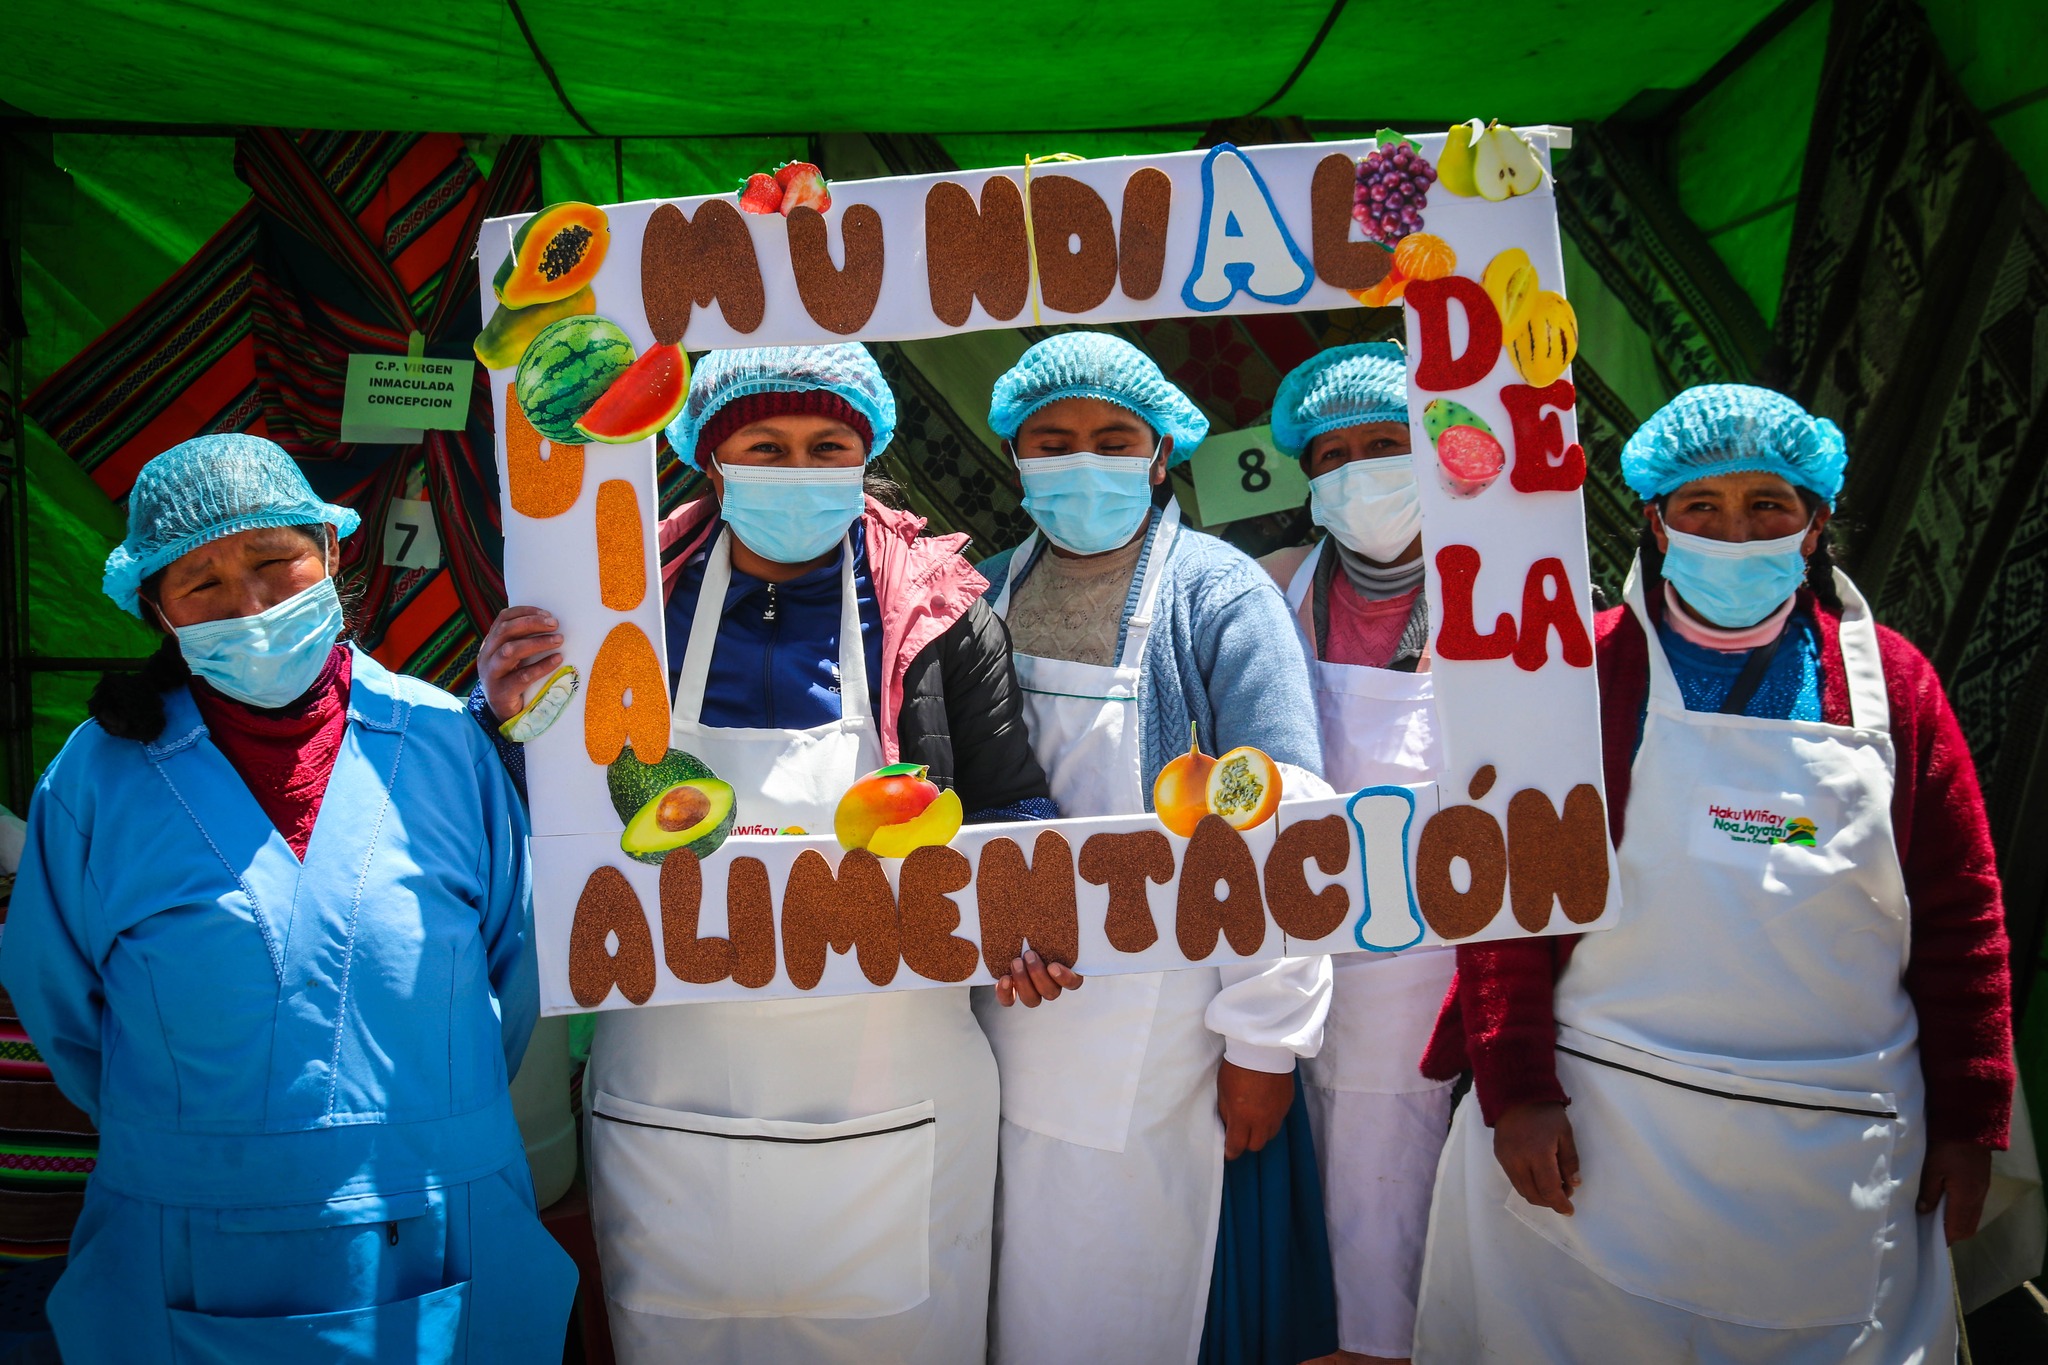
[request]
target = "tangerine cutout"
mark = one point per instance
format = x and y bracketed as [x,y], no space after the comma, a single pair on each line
[627,699]
[621,546]
[537,485]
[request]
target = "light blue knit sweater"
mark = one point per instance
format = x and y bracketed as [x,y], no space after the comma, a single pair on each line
[1223,653]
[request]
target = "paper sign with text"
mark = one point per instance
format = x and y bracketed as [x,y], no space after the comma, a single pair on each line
[394,391]
[644,896]
[1241,474]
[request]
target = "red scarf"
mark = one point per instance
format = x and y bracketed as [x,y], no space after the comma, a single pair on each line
[284,756]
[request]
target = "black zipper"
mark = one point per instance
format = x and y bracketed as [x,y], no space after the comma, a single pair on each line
[764,1137]
[1731,1095]
[772,618]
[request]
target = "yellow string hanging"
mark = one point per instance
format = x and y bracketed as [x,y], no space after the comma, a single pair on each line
[1030,236]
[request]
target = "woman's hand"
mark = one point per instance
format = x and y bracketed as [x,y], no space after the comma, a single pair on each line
[1533,1143]
[1252,1105]
[521,647]
[1032,979]
[1962,1171]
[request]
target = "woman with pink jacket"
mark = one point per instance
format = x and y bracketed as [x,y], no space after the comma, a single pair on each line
[803,1179]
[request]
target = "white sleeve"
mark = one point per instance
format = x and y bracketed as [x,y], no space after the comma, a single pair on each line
[1299,784]
[1269,1013]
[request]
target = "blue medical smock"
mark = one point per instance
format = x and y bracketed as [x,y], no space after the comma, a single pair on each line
[299,1073]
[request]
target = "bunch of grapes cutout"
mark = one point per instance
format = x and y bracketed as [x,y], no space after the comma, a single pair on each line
[1392,183]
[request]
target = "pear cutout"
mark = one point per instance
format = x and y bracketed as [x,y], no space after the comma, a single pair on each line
[1454,164]
[1504,164]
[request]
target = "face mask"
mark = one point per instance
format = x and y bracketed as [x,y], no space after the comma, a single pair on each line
[271,658]
[1371,506]
[791,516]
[1087,504]
[1735,584]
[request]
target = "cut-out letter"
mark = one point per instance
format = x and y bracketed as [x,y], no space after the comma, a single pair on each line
[1543,462]
[1124,863]
[626,701]
[854,911]
[1561,857]
[1300,912]
[606,910]
[975,253]
[1459,637]
[1437,368]
[1339,260]
[929,914]
[1242,246]
[1076,243]
[1548,604]
[1470,835]
[542,479]
[1217,854]
[839,298]
[621,546]
[685,264]
[1141,232]
[1032,904]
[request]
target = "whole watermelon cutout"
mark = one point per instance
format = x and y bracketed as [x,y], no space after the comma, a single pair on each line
[641,401]
[566,369]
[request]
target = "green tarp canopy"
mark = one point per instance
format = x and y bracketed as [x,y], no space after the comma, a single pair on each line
[121,117]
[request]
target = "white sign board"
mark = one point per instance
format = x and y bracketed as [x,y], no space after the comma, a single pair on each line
[1513,843]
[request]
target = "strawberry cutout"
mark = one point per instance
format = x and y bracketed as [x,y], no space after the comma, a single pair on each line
[761,194]
[803,186]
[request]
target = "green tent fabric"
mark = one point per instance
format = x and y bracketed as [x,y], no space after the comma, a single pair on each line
[646,67]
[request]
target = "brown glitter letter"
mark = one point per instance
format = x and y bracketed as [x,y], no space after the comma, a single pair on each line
[972,253]
[1339,260]
[1302,913]
[838,300]
[1141,236]
[1072,278]
[684,263]
[1561,856]
[1218,853]
[929,914]
[1460,832]
[1124,863]
[853,910]
[606,907]
[1021,904]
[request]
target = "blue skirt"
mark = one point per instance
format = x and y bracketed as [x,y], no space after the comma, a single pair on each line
[1272,1298]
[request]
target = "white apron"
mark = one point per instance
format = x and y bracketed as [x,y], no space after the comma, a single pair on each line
[1112,1153]
[801,1179]
[1379,1122]
[1744,1071]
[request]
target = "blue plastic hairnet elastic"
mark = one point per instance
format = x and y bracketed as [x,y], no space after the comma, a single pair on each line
[206,488]
[1345,386]
[1096,365]
[844,368]
[1725,428]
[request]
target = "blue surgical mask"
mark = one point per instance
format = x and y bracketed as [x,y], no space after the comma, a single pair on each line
[1372,506]
[791,516]
[1087,504]
[1735,583]
[271,658]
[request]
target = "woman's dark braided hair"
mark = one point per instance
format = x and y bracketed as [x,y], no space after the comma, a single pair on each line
[129,703]
[1820,565]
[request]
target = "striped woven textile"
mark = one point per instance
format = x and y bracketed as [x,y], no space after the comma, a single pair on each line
[47,1149]
[352,242]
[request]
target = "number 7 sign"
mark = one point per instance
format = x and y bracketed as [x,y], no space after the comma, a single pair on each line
[412,539]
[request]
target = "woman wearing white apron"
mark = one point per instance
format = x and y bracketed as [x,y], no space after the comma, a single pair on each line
[1112,1147]
[808,1179]
[1788,1064]
[1356,596]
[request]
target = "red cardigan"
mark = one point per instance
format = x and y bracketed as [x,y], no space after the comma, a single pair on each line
[1497,1018]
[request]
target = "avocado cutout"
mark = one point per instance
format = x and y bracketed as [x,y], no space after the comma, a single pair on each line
[676,803]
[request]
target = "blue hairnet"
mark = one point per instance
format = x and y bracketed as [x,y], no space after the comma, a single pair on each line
[206,488]
[1096,365]
[844,368]
[1724,428]
[1345,386]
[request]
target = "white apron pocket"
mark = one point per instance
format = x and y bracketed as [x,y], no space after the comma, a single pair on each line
[700,1216]
[1755,1202]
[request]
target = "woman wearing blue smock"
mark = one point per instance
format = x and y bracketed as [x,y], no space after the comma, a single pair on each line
[271,933]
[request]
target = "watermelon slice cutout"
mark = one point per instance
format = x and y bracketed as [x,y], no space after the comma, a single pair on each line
[642,400]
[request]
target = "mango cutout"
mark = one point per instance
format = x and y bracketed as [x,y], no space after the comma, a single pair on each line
[894,810]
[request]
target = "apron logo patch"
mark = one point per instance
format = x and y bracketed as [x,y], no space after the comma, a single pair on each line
[1760,825]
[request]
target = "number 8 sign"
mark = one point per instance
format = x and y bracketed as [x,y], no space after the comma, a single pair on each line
[1240,474]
